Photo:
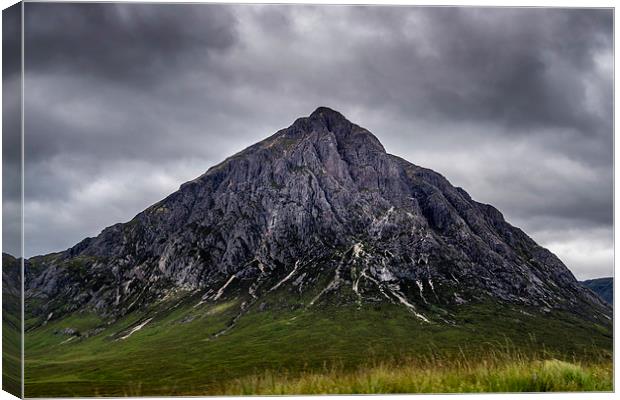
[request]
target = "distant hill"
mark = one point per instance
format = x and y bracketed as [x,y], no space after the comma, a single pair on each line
[604,287]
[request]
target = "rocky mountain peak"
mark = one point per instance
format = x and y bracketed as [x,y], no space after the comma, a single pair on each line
[329,118]
[327,124]
[323,111]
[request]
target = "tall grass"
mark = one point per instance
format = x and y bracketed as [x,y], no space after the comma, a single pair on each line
[498,370]
[531,376]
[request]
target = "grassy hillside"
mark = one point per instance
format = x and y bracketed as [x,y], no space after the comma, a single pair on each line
[324,349]
[11,325]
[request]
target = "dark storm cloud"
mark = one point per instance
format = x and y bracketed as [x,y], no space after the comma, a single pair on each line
[516,66]
[11,131]
[132,43]
[522,68]
[11,44]
[126,101]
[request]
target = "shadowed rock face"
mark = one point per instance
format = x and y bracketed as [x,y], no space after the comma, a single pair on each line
[318,207]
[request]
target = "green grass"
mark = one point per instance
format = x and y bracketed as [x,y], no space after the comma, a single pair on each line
[11,353]
[358,347]
[11,325]
[454,376]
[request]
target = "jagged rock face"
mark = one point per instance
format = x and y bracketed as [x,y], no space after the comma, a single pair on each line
[320,199]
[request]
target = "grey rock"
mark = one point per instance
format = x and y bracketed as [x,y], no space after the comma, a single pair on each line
[68,331]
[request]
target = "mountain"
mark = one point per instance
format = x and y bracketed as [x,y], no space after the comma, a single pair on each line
[315,240]
[320,199]
[604,287]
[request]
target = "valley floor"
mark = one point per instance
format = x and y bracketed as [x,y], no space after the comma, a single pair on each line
[327,349]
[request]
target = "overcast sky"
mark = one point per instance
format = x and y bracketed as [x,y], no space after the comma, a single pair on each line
[124,102]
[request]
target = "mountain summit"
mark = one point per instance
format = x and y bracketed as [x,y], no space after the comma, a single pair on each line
[317,214]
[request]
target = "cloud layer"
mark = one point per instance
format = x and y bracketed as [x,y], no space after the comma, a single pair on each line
[126,101]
